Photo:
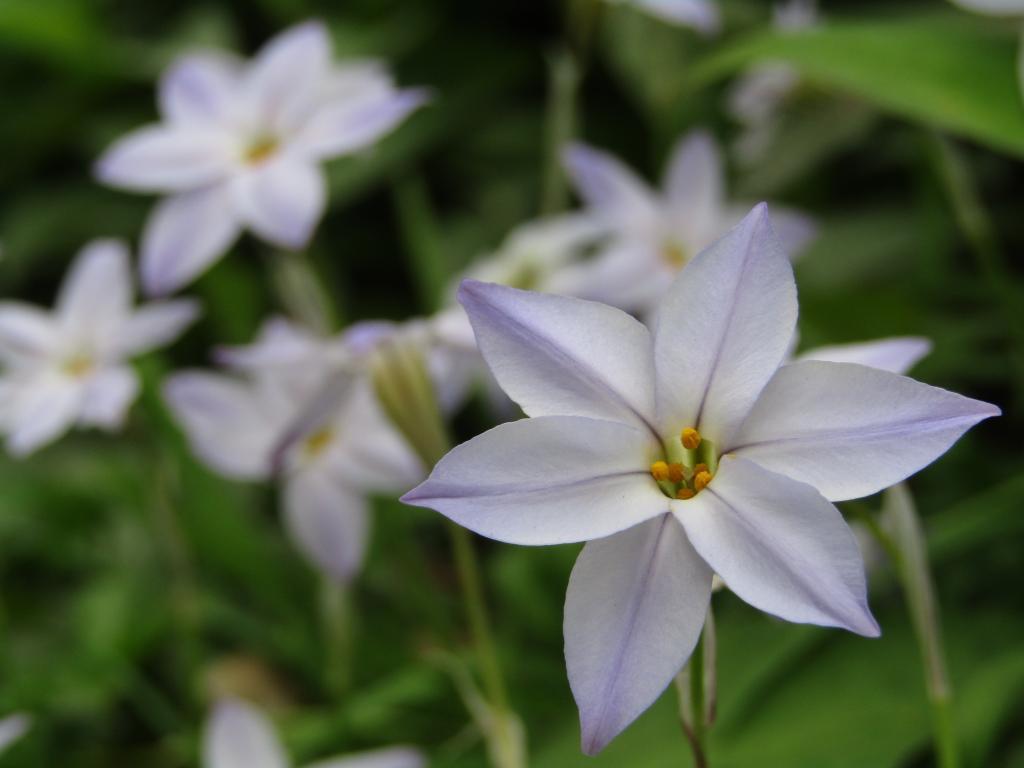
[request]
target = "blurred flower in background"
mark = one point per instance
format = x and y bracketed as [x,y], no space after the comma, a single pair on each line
[240,147]
[702,15]
[12,728]
[69,367]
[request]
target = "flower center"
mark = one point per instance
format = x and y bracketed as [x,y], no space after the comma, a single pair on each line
[691,466]
[260,149]
[78,366]
[674,254]
[317,442]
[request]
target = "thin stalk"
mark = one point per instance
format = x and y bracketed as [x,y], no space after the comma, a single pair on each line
[564,75]
[911,565]
[696,689]
[302,292]
[337,614]
[697,725]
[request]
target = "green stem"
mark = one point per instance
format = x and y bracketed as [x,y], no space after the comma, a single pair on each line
[336,608]
[564,75]
[697,702]
[302,292]
[695,687]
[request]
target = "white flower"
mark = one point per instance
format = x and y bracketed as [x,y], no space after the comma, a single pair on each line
[240,147]
[303,415]
[680,452]
[12,728]
[69,366]
[239,736]
[654,234]
[702,15]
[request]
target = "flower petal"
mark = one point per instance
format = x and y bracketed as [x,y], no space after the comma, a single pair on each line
[993,7]
[199,88]
[282,200]
[722,330]
[628,273]
[156,324]
[172,158]
[108,395]
[184,235]
[12,728]
[239,736]
[694,180]
[549,480]
[342,127]
[390,757]
[604,182]
[780,546]
[287,75]
[897,355]
[25,332]
[701,15]
[560,356]
[850,430]
[97,292]
[328,522]
[633,613]
[227,424]
[46,407]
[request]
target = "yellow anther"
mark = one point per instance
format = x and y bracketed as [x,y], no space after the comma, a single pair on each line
[659,471]
[700,468]
[675,473]
[674,255]
[318,441]
[78,367]
[701,479]
[261,149]
[685,493]
[690,438]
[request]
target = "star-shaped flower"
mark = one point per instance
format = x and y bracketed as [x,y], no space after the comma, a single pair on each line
[69,366]
[654,234]
[679,453]
[240,147]
[296,412]
[239,736]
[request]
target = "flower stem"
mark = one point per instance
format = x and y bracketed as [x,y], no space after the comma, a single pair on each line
[337,615]
[912,566]
[564,75]
[695,686]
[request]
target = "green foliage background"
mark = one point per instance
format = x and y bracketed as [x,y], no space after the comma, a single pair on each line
[135,583]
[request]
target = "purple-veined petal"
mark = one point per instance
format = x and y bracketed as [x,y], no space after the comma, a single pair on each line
[634,610]
[281,200]
[548,480]
[780,546]
[184,235]
[606,184]
[694,179]
[285,79]
[389,757]
[155,324]
[561,356]
[227,424]
[46,407]
[328,521]
[897,355]
[97,291]
[200,88]
[342,127]
[26,332]
[167,159]
[12,728]
[850,430]
[722,330]
[107,396]
[701,15]
[239,736]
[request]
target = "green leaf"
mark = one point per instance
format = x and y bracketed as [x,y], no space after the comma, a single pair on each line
[937,69]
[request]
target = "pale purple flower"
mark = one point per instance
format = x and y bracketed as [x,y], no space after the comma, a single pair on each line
[239,736]
[702,15]
[12,728]
[655,233]
[297,411]
[240,147]
[680,452]
[70,366]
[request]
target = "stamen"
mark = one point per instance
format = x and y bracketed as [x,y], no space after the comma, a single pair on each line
[674,255]
[701,480]
[78,366]
[660,471]
[685,493]
[675,473]
[691,439]
[700,468]
[318,441]
[260,149]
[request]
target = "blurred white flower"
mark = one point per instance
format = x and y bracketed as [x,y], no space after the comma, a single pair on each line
[12,728]
[758,96]
[69,366]
[239,736]
[702,15]
[240,147]
[654,234]
[298,409]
